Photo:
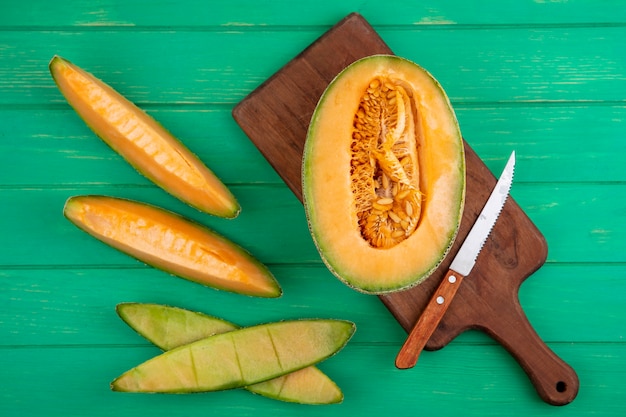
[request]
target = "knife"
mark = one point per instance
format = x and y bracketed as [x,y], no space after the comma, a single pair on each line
[460,267]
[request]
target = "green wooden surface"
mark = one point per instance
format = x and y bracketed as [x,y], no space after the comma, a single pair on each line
[546,78]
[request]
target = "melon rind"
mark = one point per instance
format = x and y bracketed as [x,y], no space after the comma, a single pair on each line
[239,358]
[170,327]
[326,189]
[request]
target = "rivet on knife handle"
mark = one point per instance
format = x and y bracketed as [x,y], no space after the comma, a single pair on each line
[460,267]
[427,323]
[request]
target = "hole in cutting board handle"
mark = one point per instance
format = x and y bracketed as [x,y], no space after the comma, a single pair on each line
[561,386]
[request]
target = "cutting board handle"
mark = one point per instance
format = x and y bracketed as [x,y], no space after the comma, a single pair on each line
[554,380]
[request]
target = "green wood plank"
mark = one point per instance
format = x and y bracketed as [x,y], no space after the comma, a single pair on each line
[576,219]
[571,302]
[547,64]
[211,73]
[479,380]
[581,222]
[77,306]
[72,154]
[561,143]
[60,306]
[553,143]
[198,14]
[519,65]
[272,226]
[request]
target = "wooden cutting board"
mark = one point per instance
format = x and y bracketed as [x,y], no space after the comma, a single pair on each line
[276,116]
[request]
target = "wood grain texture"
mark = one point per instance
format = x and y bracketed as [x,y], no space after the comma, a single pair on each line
[57,139]
[543,77]
[553,64]
[275,118]
[88,14]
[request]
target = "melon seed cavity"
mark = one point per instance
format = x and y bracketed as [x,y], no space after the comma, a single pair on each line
[384,165]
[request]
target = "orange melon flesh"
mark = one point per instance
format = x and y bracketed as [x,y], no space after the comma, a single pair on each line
[142,141]
[169,242]
[327,182]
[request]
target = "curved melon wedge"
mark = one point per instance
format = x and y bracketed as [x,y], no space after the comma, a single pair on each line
[239,358]
[170,327]
[172,243]
[142,141]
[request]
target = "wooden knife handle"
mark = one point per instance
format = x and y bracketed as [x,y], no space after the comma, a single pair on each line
[428,321]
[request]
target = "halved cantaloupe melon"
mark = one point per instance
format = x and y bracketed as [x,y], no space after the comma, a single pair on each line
[142,141]
[383,174]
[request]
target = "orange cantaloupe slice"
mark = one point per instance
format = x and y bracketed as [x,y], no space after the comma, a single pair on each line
[172,243]
[142,141]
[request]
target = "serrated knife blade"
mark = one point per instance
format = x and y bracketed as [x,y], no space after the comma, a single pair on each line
[466,256]
[460,267]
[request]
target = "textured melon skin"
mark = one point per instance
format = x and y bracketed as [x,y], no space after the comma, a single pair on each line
[170,327]
[326,184]
[239,358]
[142,141]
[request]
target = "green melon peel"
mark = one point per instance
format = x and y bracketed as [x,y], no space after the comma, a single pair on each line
[170,327]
